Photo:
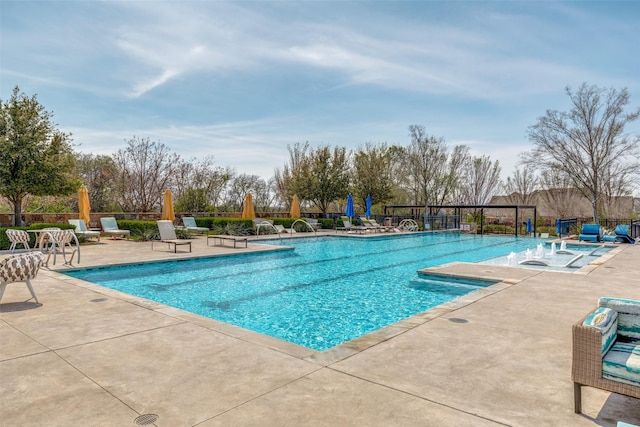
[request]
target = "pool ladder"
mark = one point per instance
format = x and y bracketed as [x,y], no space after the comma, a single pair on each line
[304,222]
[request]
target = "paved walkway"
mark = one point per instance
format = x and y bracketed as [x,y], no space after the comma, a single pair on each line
[91,356]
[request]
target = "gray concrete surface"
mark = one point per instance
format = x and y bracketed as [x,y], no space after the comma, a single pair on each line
[92,356]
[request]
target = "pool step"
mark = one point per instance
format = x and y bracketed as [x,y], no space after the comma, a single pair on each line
[445,285]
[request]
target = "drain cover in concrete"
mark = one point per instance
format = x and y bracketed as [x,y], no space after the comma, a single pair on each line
[146,419]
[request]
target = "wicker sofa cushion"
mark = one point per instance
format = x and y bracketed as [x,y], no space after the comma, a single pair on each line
[628,315]
[606,321]
[622,363]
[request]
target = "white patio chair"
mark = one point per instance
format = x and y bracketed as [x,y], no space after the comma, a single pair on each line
[20,268]
[18,237]
[65,242]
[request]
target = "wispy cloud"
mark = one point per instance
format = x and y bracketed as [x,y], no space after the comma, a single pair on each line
[241,80]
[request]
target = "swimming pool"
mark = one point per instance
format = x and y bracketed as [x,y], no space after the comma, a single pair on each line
[323,292]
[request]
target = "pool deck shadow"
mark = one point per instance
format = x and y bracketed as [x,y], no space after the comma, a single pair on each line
[92,356]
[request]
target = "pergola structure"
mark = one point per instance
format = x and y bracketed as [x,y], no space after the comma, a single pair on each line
[428,211]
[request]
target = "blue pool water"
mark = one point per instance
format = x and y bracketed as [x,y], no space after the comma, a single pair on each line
[325,291]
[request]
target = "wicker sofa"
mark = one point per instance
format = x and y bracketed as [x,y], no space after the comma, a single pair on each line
[606,349]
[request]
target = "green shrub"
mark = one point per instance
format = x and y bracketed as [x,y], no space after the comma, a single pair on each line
[41,225]
[285,222]
[326,223]
[499,229]
[140,229]
[233,228]
[220,225]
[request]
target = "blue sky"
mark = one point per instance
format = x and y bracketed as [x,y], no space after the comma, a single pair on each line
[242,80]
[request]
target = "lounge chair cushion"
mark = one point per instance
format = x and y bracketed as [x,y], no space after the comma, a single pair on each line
[606,321]
[628,315]
[191,225]
[590,232]
[622,363]
[621,230]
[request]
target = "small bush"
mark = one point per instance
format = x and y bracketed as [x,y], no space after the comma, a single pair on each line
[498,229]
[326,223]
[41,225]
[233,229]
[218,223]
[140,229]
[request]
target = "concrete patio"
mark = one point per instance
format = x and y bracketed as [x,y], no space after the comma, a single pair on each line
[92,356]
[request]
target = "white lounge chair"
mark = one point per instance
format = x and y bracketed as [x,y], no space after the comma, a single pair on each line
[190,225]
[540,261]
[168,235]
[280,228]
[20,268]
[350,228]
[82,230]
[110,226]
[380,226]
[313,223]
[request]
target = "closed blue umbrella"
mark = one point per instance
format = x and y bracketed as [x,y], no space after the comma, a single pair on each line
[529,225]
[368,212]
[558,226]
[350,210]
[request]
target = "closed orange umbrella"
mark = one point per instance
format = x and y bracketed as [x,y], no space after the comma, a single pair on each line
[295,207]
[83,205]
[167,206]
[248,211]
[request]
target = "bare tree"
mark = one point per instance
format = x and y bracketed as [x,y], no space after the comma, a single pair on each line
[558,193]
[588,143]
[520,188]
[616,195]
[242,185]
[432,173]
[264,196]
[145,169]
[480,181]
[200,183]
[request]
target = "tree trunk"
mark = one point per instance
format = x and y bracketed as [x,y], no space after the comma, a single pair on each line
[17,212]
